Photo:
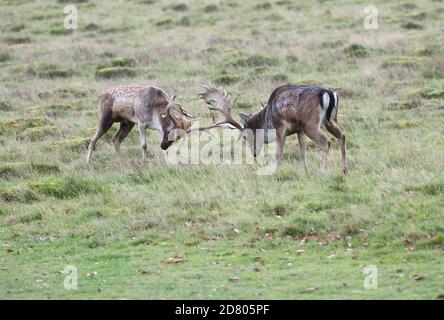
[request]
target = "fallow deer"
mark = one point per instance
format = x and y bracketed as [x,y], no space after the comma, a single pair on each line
[146,106]
[290,109]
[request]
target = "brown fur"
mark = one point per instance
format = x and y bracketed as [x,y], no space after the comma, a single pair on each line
[290,109]
[145,106]
[297,109]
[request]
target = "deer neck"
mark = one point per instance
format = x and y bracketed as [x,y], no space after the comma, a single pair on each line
[260,120]
[157,122]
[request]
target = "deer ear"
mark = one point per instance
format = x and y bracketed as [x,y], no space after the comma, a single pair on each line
[244,118]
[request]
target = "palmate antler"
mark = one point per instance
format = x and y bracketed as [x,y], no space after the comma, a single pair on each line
[220,101]
[177,107]
[173,105]
[178,115]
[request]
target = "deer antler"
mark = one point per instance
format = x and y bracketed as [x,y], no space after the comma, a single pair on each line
[219,101]
[183,111]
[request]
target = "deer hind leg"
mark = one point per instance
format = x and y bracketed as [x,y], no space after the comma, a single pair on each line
[303,149]
[105,124]
[124,129]
[333,128]
[142,138]
[321,140]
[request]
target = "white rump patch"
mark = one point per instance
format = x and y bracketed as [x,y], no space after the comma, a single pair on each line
[335,109]
[335,95]
[325,100]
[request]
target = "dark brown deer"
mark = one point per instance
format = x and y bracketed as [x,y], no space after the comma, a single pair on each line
[148,107]
[290,109]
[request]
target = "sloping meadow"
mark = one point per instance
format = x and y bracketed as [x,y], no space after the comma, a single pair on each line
[205,231]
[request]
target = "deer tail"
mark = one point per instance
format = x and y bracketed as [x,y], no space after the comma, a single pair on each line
[329,103]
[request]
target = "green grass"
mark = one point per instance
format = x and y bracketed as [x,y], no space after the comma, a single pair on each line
[213,231]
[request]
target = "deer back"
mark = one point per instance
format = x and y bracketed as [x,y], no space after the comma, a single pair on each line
[300,105]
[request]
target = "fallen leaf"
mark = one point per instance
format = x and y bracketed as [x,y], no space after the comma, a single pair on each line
[236,230]
[9,250]
[310,289]
[211,238]
[174,259]
[146,241]
[300,252]
[278,212]
[410,244]
[440,296]
[49,238]
[256,270]
[190,244]
[418,277]
[234,279]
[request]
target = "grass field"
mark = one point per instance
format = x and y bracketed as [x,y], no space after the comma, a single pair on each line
[156,231]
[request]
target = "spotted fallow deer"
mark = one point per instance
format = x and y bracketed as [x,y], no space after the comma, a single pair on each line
[146,106]
[290,109]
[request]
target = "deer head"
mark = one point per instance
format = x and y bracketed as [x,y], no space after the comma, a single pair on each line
[220,101]
[175,122]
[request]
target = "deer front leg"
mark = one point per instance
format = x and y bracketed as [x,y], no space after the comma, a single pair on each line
[280,143]
[105,124]
[303,149]
[142,137]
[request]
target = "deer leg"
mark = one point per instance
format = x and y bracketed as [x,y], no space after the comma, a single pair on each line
[124,129]
[319,138]
[333,128]
[142,137]
[105,124]
[303,149]
[280,143]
